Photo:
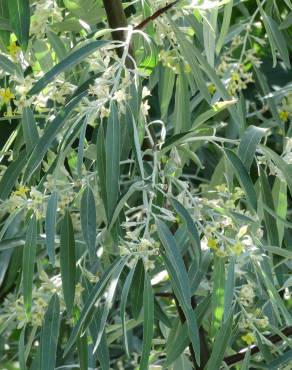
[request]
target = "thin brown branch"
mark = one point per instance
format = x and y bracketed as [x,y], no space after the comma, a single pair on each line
[275,338]
[164,295]
[229,360]
[155,15]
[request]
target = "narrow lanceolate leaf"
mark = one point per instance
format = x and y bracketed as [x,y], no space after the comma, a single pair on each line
[50,334]
[30,131]
[95,293]
[243,177]
[218,294]
[209,33]
[80,155]
[283,252]
[51,216]
[182,115]
[29,253]
[107,306]
[10,176]
[19,18]
[102,352]
[137,289]
[42,54]
[21,350]
[287,22]
[180,283]
[5,26]
[178,339]
[57,44]
[276,300]
[280,205]
[49,136]
[82,348]
[10,67]
[148,310]
[280,361]
[248,144]
[70,61]
[88,220]
[282,165]
[220,345]
[136,146]
[100,163]
[229,289]
[192,229]
[263,86]
[225,25]
[271,225]
[68,261]
[112,150]
[245,364]
[276,38]
[165,89]
[124,296]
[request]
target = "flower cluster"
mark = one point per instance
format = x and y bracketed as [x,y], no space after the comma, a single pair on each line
[239,80]
[285,111]
[224,234]
[14,308]
[144,104]
[37,203]
[13,50]
[246,295]
[236,73]
[45,11]
[142,248]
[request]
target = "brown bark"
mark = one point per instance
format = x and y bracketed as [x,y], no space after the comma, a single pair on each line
[116,17]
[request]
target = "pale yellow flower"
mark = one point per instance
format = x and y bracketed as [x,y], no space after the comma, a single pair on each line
[212,243]
[21,191]
[237,248]
[284,115]
[248,338]
[13,49]
[6,95]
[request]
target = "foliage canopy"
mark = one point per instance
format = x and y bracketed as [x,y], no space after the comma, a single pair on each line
[145,184]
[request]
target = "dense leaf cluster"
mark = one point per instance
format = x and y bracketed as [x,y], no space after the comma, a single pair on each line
[145,184]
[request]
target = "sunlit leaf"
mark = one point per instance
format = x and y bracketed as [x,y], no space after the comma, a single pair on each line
[29,254]
[19,17]
[68,261]
[50,334]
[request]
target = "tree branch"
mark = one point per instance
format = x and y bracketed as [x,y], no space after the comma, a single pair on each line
[275,338]
[117,19]
[237,357]
[155,15]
